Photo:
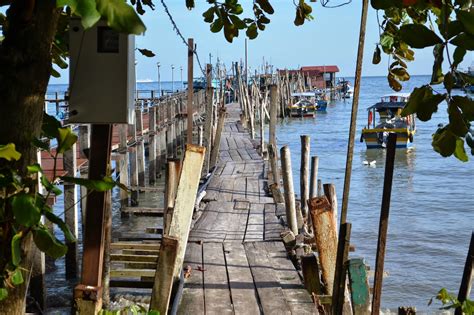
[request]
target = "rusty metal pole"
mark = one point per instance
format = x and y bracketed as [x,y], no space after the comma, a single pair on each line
[189,139]
[383,224]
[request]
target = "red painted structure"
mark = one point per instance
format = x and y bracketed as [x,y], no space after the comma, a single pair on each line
[319,77]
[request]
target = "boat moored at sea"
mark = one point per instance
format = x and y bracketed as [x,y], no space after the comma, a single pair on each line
[302,105]
[390,120]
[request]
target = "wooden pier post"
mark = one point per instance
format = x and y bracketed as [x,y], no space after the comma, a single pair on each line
[123,164]
[466,282]
[133,166]
[261,125]
[273,115]
[217,140]
[304,174]
[190,90]
[140,147]
[152,162]
[209,118]
[359,283]
[310,270]
[289,192]
[325,234]
[173,169]
[383,224]
[70,211]
[84,140]
[320,188]
[338,293]
[330,193]
[313,182]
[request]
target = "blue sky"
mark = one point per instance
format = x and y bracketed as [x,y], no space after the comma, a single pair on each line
[331,38]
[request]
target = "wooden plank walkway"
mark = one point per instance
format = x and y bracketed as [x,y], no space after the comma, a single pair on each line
[237,260]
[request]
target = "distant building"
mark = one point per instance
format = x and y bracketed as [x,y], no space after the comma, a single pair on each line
[318,77]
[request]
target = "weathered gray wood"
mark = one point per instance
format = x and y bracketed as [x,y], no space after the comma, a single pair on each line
[217,140]
[70,211]
[135,246]
[273,159]
[136,258]
[216,287]
[152,145]
[268,287]
[296,296]
[209,116]
[289,190]
[186,197]
[173,168]
[273,116]
[313,183]
[192,301]
[272,228]
[255,223]
[311,277]
[143,211]
[189,104]
[164,276]
[123,164]
[241,284]
[330,193]
[304,174]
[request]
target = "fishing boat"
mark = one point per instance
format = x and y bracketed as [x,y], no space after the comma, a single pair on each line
[302,105]
[320,100]
[389,111]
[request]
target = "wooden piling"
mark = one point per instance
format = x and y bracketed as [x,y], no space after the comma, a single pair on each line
[325,234]
[107,241]
[339,289]
[123,164]
[310,270]
[359,284]
[320,188]
[133,166]
[152,145]
[383,224]
[217,141]
[209,118]
[273,115]
[330,193]
[273,159]
[173,169]
[261,125]
[466,282]
[70,211]
[190,90]
[164,275]
[289,192]
[84,140]
[304,174]
[313,182]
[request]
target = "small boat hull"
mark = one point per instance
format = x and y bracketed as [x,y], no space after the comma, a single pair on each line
[376,138]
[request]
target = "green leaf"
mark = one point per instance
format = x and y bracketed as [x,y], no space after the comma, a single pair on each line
[458,56]
[418,36]
[3,294]
[121,16]
[454,28]
[50,187]
[456,121]
[217,25]
[209,15]
[50,126]
[146,52]
[86,9]
[237,9]
[61,224]
[190,4]
[448,81]
[66,139]
[400,73]
[97,185]
[437,75]
[466,105]
[42,145]
[16,248]
[34,168]
[444,142]
[376,58]
[47,243]
[467,20]
[464,40]
[266,6]
[423,102]
[17,277]
[384,4]
[24,209]
[252,31]
[9,152]
[386,41]
[459,152]
[394,84]
[237,22]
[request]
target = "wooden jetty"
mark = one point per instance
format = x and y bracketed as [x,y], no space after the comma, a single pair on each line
[237,261]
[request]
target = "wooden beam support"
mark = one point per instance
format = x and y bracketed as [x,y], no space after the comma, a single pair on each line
[190,91]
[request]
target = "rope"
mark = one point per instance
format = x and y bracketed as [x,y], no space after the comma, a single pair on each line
[178,32]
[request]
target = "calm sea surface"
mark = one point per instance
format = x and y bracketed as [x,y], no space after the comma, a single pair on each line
[432,208]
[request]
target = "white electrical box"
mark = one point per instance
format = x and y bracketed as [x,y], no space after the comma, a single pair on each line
[101,75]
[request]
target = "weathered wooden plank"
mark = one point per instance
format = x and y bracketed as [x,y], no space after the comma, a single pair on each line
[131,245]
[268,287]
[236,228]
[143,211]
[138,258]
[164,277]
[272,228]
[255,223]
[226,190]
[252,190]
[234,154]
[240,185]
[296,296]
[134,236]
[185,198]
[132,273]
[244,154]
[216,287]
[192,301]
[241,283]
[228,169]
